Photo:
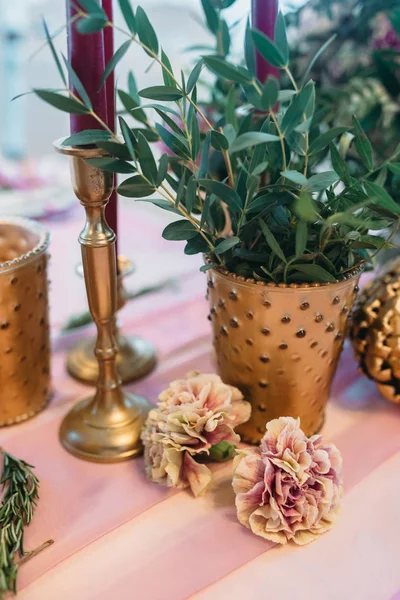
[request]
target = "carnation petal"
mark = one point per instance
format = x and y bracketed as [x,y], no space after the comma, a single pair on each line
[197,475]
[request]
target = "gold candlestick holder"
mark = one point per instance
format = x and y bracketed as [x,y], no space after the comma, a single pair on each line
[106,426]
[136,357]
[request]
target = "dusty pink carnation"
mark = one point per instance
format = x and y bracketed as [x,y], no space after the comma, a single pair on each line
[290,487]
[193,415]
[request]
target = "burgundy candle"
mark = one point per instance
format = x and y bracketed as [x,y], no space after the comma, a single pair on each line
[263,17]
[86,55]
[111,208]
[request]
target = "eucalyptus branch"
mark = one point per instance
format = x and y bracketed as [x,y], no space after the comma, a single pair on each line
[166,194]
[372,256]
[276,123]
[360,180]
[307,136]
[20,486]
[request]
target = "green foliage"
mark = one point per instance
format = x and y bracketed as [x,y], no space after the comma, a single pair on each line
[20,494]
[248,188]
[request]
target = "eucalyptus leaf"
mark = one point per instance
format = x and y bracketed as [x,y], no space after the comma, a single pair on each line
[223,192]
[381,197]
[135,187]
[305,208]
[340,165]
[122,50]
[115,149]
[226,245]
[195,138]
[113,165]
[91,24]
[294,114]
[63,103]
[161,92]
[249,50]
[314,272]
[225,38]
[301,237]
[167,71]
[280,37]
[146,32]
[205,155]
[270,93]
[394,168]
[146,159]
[128,15]
[219,141]
[252,138]
[296,177]
[191,194]
[54,53]
[162,169]
[317,55]
[268,49]
[93,7]
[321,181]
[179,230]
[227,70]
[174,143]
[129,137]
[194,76]
[89,136]
[271,240]
[132,107]
[211,15]
[362,144]
[161,203]
[321,142]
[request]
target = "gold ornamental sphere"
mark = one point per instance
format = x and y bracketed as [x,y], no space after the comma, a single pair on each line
[375,331]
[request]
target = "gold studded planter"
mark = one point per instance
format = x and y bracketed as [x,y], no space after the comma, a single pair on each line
[279,344]
[24,327]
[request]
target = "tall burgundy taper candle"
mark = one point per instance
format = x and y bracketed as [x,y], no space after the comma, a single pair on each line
[86,55]
[263,17]
[112,207]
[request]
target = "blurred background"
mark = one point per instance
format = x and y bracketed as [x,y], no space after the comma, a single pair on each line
[358,74]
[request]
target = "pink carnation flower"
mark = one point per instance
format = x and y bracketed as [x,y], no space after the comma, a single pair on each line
[193,417]
[290,487]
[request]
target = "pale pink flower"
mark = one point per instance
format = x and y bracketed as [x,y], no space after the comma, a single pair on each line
[194,415]
[290,487]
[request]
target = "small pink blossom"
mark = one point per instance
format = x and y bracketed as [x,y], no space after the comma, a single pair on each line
[192,417]
[290,487]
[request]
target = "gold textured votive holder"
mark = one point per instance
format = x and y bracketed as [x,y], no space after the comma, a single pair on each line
[136,356]
[24,320]
[106,426]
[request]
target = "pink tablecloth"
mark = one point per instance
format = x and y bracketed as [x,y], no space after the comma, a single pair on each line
[118,536]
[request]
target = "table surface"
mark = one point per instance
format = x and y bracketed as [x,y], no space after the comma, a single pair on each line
[119,536]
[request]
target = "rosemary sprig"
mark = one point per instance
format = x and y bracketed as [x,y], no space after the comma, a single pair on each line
[20,495]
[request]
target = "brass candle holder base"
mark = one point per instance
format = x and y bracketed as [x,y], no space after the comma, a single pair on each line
[136,357]
[111,438]
[106,427]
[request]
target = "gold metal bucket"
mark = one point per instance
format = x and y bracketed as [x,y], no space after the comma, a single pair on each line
[24,323]
[279,344]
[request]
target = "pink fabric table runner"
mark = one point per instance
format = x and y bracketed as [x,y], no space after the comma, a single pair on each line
[82,502]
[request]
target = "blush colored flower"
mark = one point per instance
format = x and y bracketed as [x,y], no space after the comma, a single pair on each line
[194,417]
[290,487]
